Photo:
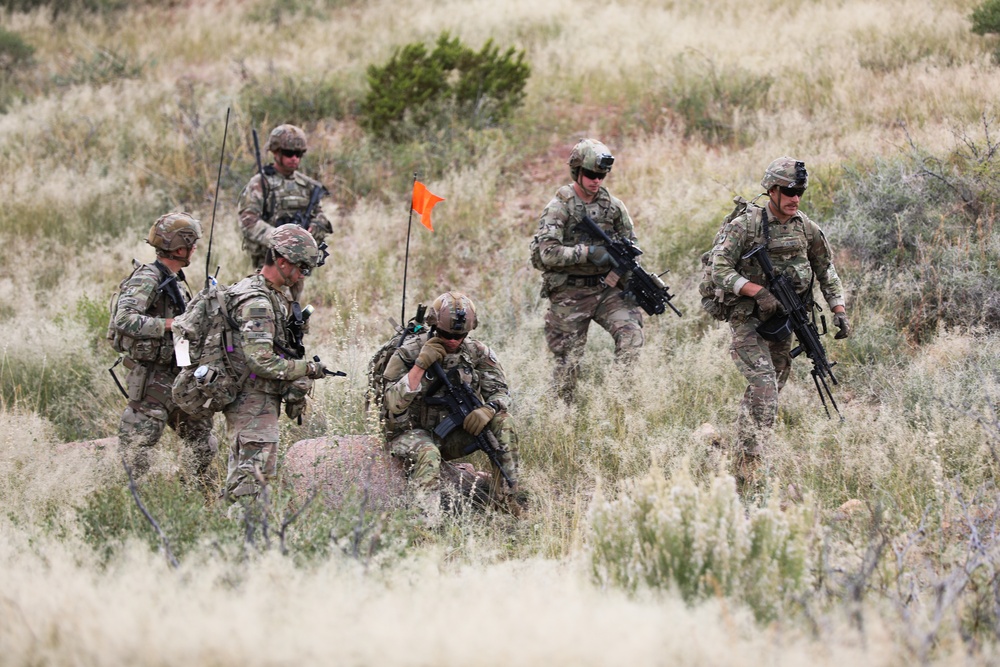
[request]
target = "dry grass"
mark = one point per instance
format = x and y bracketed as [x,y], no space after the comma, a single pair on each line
[89,164]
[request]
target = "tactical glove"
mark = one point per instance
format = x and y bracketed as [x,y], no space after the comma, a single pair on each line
[432,351]
[767,303]
[598,255]
[477,420]
[841,322]
[316,369]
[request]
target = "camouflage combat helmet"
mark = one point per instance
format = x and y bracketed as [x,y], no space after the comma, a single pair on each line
[287,137]
[786,172]
[452,312]
[297,246]
[592,155]
[174,231]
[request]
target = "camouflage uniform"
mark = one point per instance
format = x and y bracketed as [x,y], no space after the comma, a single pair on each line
[141,315]
[798,249]
[410,422]
[260,310]
[285,196]
[573,285]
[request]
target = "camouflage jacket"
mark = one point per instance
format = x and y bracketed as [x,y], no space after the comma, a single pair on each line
[474,362]
[285,197]
[261,312]
[798,248]
[142,312]
[562,246]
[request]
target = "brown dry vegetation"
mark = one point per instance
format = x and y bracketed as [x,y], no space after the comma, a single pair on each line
[118,118]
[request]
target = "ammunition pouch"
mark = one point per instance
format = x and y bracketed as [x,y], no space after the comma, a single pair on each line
[775,329]
[203,390]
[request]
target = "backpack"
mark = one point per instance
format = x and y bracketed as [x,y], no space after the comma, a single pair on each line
[379,360]
[712,299]
[218,368]
[119,343]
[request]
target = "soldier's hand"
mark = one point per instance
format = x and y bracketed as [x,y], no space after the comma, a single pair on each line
[432,351]
[598,255]
[767,303]
[316,369]
[841,322]
[477,420]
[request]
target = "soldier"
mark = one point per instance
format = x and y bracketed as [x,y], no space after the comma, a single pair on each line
[282,193]
[410,422]
[574,266]
[148,301]
[260,306]
[799,250]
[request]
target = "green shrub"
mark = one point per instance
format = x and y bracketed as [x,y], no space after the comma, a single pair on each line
[702,542]
[481,89]
[14,51]
[986,18]
[923,231]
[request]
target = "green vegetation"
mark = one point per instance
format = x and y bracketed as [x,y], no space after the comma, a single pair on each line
[418,90]
[877,541]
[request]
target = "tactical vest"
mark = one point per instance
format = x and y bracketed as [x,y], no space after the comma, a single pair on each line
[286,196]
[157,351]
[603,211]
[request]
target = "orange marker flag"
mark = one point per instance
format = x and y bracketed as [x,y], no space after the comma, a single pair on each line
[423,201]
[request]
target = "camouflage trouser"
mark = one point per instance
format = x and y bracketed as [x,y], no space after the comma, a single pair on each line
[150,409]
[422,453]
[566,324]
[252,421]
[765,365]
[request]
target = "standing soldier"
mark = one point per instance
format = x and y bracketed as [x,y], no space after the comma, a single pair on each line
[574,266]
[148,301]
[281,195]
[799,250]
[410,421]
[260,307]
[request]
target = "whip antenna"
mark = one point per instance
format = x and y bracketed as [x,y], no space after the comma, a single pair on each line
[215,204]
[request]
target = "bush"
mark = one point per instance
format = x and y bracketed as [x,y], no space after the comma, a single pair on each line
[482,89]
[701,542]
[986,18]
[923,230]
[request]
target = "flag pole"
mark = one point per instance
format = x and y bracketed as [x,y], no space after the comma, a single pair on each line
[406,260]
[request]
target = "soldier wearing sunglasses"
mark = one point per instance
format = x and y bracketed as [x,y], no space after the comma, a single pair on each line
[411,418]
[574,266]
[799,250]
[274,197]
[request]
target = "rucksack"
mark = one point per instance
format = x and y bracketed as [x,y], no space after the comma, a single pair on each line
[377,364]
[218,367]
[119,342]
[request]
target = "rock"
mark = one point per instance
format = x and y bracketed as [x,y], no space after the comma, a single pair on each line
[343,465]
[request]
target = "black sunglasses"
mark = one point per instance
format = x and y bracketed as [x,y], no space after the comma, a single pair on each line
[447,335]
[290,153]
[594,175]
[792,192]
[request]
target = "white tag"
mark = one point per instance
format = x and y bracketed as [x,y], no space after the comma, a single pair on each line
[182,351]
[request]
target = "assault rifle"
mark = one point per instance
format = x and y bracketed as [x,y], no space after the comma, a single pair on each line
[296,330]
[460,400]
[648,291]
[304,218]
[796,320]
[170,287]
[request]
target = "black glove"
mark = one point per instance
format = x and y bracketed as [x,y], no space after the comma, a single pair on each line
[767,303]
[598,255]
[316,369]
[841,322]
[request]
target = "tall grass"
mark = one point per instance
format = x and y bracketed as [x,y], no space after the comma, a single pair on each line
[890,559]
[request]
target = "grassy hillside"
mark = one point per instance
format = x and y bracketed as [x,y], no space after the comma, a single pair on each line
[636,549]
